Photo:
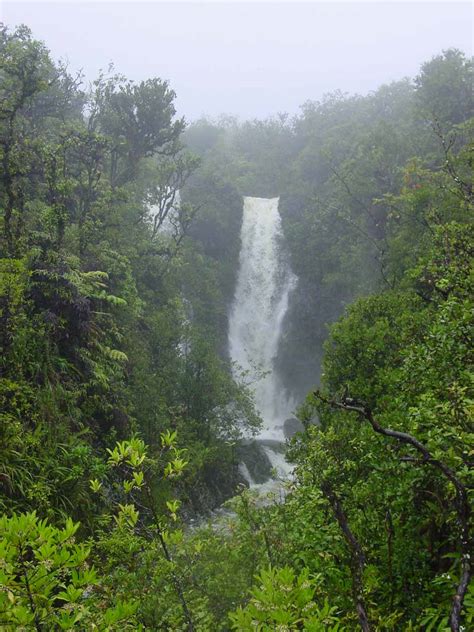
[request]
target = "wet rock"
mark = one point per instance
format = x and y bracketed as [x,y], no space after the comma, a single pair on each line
[256,461]
[291,426]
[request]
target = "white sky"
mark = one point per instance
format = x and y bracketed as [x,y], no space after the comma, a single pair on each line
[250,59]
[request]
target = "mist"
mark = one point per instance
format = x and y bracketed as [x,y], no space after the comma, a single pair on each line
[249,59]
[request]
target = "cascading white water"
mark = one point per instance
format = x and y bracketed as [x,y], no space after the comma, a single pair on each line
[264,284]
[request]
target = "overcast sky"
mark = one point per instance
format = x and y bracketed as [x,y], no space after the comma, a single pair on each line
[250,59]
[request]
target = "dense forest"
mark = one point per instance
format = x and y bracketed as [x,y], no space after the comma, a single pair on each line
[123,419]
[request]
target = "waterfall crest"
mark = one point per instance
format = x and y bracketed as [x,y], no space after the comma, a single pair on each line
[264,284]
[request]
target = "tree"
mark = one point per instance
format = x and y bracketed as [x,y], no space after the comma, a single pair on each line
[444,87]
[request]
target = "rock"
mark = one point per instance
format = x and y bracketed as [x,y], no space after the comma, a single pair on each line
[257,462]
[291,426]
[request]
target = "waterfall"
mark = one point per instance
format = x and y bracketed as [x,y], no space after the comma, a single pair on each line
[263,288]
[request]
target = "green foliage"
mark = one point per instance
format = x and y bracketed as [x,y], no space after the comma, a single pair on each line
[95,291]
[47,583]
[284,601]
[406,355]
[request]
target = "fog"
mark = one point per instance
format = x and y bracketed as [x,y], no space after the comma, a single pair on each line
[249,59]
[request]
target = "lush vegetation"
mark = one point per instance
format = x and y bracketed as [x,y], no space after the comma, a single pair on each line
[120,418]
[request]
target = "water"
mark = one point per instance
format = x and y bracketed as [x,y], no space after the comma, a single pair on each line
[245,473]
[264,285]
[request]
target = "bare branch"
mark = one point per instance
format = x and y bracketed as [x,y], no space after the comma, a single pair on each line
[357,555]
[462,501]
